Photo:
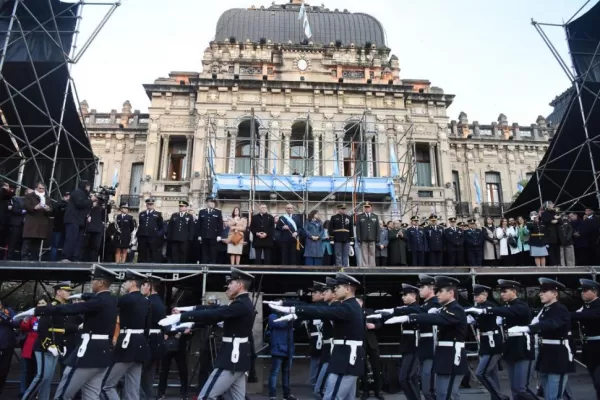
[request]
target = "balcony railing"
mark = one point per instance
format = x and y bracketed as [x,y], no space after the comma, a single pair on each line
[494,209]
[132,199]
[462,209]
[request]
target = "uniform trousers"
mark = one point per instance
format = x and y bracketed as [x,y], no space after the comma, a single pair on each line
[409,376]
[372,355]
[321,380]
[88,380]
[487,374]
[263,255]
[73,240]
[417,258]
[179,252]
[456,258]
[367,254]
[553,384]
[519,374]
[42,383]
[313,371]
[435,258]
[222,381]
[428,379]
[446,387]
[340,387]
[595,375]
[147,379]
[209,251]
[475,257]
[148,249]
[342,254]
[131,373]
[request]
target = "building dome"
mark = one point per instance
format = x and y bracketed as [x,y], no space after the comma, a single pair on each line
[280,24]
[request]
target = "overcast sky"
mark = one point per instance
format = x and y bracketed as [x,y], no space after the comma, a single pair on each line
[486,52]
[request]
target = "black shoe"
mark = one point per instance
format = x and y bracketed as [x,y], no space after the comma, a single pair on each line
[290,397]
[273,398]
[379,396]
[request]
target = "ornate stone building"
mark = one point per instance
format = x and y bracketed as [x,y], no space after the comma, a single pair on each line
[276,118]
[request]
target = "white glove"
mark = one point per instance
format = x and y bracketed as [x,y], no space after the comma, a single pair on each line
[274,303]
[199,238]
[218,238]
[475,310]
[80,327]
[580,310]
[398,320]
[75,296]
[499,321]
[519,329]
[284,309]
[434,311]
[170,320]
[385,311]
[534,321]
[374,316]
[185,309]
[183,325]
[53,350]
[289,317]
[220,324]
[470,320]
[24,314]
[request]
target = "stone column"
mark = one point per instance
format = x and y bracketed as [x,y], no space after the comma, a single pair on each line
[263,164]
[151,160]
[392,145]
[188,158]
[441,174]
[369,145]
[231,157]
[165,158]
[316,153]
[339,134]
[286,152]
[329,145]
[433,162]
[274,154]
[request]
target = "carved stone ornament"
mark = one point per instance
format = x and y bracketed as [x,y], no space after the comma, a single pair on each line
[380,117]
[213,97]
[251,70]
[389,101]
[328,115]
[275,114]
[178,123]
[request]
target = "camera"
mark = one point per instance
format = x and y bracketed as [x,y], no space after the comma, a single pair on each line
[104,192]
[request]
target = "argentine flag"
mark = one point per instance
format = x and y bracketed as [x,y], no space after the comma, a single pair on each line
[477,188]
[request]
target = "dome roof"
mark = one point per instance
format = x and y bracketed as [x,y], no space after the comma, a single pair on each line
[280,24]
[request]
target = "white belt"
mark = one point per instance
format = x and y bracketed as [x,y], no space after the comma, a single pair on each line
[490,336]
[408,332]
[319,336]
[413,332]
[428,334]
[235,353]
[564,342]
[527,337]
[155,331]
[458,346]
[327,341]
[591,338]
[128,333]
[86,337]
[353,347]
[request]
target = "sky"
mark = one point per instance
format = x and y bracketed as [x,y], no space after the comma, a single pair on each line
[486,52]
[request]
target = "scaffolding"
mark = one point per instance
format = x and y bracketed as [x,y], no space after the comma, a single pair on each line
[44,135]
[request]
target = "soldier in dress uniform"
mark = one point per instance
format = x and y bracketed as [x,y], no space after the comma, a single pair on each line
[474,239]
[124,226]
[179,233]
[455,244]
[149,234]
[49,346]
[427,336]
[156,340]
[210,230]
[367,234]
[552,325]
[417,243]
[347,361]
[330,299]
[450,363]
[435,242]
[371,347]
[491,344]
[131,348]
[588,318]
[519,351]
[341,235]
[314,329]
[234,358]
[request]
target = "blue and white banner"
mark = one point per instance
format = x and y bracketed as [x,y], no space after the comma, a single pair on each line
[477,188]
[394,161]
[304,17]
[115,177]
[519,186]
[336,164]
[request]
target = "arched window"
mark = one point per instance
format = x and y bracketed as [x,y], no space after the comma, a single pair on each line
[301,150]
[243,147]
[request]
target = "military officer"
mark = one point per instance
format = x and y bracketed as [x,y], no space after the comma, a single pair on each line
[455,244]
[210,230]
[552,325]
[417,243]
[435,241]
[367,234]
[347,361]
[156,340]
[341,235]
[49,346]
[491,344]
[180,232]
[474,239]
[124,225]
[314,328]
[588,318]
[519,351]
[427,336]
[149,234]
[131,348]
[234,358]
[330,299]
[450,356]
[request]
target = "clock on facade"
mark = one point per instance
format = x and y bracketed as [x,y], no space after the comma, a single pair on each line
[302,64]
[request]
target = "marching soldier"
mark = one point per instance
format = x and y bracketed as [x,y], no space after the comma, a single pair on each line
[149,234]
[50,345]
[552,325]
[519,351]
[348,355]
[474,238]
[330,299]
[490,343]
[367,234]
[124,226]
[314,328]
[450,355]
[180,232]
[417,243]
[588,318]
[210,230]
[341,235]
[234,358]
[131,348]
[427,336]
[435,241]
[372,353]
[455,244]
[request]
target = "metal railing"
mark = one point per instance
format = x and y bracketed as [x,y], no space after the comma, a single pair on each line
[462,208]
[494,209]
[132,199]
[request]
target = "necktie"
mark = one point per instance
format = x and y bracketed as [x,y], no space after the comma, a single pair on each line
[181,215]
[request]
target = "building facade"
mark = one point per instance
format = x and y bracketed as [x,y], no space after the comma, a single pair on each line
[276,118]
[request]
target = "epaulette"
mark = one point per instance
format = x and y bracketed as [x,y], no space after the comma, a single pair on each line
[54,303]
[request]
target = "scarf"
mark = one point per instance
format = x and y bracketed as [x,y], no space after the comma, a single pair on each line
[42,197]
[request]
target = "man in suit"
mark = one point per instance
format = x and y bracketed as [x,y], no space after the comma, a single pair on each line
[76,214]
[210,230]
[262,228]
[149,234]
[417,243]
[179,233]
[367,234]
[289,227]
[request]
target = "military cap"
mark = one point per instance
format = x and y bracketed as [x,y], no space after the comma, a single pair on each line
[124,205]
[472,221]
[152,279]
[341,206]
[478,289]
[183,203]
[330,283]
[445,281]
[317,287]
[150,200]
[550,284]
[443,225]
[425,279]
[210,198]
[415,218]
[345,279]
[452,219]
[406,288]
[63,286]
[588,284]
[66,194]
[404,225]
[237,274]
[461,223]
[433,217]
[103,273]
[367,204]
[131,275]
[506,284]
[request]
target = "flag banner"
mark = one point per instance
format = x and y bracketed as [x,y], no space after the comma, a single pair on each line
[302,12]
[336,164]
[307,30]
[115,177]
[519,186]
[477,188]
[394,162]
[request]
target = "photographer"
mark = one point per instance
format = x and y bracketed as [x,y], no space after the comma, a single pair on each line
[37,222]
[58,234]
[94,230]
[76,214]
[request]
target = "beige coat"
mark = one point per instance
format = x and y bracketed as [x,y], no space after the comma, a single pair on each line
[491,251]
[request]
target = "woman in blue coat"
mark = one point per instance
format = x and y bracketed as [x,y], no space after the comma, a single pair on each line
[313,229]
[282,353]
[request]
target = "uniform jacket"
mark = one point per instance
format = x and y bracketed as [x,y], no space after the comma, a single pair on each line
[151,224]
[126,225]
[17,213]
[416,238]
[156,341]
[435,238]
[367,228]
[589,230]
[490,334]
[409,336]
[454,238]
[134,309]
[51,331]
[580,241]
[37,222]
[348,325]
[396,247]
[474,239]
[96,223]
[282,337]
[99,318]
[383,241]
[284,234]
[550,234]
[315,331]
[313,248]
[452,328]
[515,313]
[180,227]
[210,225]
[341,228]
[327,336]
[536,234]
[554,324]
[588,318]
[262,223]
[78,207]
[238,320]
[426,348]
[370,334]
